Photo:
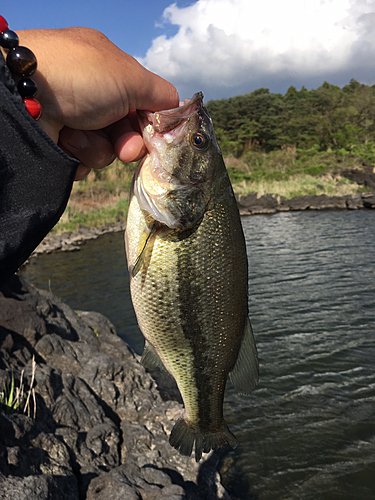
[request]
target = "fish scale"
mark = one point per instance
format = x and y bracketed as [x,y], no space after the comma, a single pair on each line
[189,289]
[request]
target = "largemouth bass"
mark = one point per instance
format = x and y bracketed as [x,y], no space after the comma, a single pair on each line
[188,272]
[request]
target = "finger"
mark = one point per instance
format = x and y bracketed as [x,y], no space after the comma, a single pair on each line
[127,139]
[130,147]
[82,172]
[92,148]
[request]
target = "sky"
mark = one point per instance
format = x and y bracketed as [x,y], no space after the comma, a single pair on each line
[226,47]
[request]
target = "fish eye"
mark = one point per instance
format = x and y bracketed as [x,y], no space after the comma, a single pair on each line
[200,141]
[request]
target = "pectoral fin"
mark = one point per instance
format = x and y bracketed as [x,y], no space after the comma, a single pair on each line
[144,240]
[151,360]
[245,373]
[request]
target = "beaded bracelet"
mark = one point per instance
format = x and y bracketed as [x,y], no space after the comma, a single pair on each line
[22,63]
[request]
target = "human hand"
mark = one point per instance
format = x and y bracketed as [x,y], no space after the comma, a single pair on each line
[89,90]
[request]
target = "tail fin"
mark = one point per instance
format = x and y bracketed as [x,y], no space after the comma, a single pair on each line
[184,435]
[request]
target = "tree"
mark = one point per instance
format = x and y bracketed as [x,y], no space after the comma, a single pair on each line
[329,116]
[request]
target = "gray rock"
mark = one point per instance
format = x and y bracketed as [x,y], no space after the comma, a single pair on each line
[246,201]
[268,204]
[365,177]
[252,204]
[354,202]
[132,482]
[369,202]
[259,209]
[325,202]
[314,202]
[296,203]
[41,487]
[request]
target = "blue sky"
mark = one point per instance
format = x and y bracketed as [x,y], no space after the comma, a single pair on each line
[129,24]
[226,47]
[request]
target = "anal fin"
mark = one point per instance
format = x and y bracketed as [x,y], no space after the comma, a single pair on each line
[151,360]
[245,374]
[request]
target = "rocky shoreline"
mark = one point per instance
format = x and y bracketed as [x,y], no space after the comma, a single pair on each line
[100,429]
[249,204]
[71,241]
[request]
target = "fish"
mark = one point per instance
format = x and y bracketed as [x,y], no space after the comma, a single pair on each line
[187,260]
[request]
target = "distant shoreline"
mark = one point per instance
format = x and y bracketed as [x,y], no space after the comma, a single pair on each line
[249,204]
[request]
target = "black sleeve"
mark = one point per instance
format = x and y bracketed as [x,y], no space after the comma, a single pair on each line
[36,179]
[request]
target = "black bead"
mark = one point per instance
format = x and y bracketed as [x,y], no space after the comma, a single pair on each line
[21,61]
[9,39]
[26,87]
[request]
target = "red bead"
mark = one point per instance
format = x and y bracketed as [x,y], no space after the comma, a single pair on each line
[3,24]
[33,107]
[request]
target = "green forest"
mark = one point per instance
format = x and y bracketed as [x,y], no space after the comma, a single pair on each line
[281,144]
[329,117]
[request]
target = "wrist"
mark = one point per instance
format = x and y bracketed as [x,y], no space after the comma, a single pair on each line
[22,64]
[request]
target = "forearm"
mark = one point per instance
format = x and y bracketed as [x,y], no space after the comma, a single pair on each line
[35,180]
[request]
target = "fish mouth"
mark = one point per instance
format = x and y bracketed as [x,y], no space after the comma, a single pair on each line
[162,122]
[167,197]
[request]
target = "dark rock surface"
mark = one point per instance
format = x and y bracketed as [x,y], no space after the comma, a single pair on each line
[363,177]
[101,427]
[369,200]
[268,203]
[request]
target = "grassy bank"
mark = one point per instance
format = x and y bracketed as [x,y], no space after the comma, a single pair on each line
[100,198]
[104,195]
[289,172]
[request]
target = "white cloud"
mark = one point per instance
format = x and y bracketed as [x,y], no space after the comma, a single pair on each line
[224,47]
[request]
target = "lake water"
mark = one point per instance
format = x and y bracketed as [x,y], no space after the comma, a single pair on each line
[308,430]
